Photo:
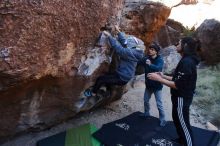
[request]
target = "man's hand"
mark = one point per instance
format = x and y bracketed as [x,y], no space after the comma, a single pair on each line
[148,62]
[155,77]
[106,33]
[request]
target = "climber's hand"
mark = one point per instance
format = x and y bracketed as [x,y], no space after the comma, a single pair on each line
[106,33]
[117,28]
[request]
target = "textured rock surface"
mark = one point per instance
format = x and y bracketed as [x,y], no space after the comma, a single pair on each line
[48,55]
[175,25]
[42,45]
[209,35]
[173,3]
[167,36]
[50,37]
[171,59]
[144,20]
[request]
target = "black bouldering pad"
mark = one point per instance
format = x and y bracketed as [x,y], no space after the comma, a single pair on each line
[134,130]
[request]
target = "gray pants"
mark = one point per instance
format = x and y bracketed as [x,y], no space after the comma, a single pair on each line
[158,97]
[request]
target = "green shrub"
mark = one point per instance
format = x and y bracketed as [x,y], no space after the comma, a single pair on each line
[188,32]
[207,97]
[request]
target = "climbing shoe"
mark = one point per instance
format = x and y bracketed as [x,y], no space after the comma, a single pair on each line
[88,93]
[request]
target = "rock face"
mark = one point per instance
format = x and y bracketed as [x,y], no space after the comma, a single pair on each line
[42,45]
[144,20]
[167,36]
[174,3]
[171,59]
[175,25]
[41,37]
[209,35]
[48,54]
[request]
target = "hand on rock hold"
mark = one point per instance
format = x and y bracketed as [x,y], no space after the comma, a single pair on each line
[107,33]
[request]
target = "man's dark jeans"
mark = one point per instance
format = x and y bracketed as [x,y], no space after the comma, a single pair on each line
[107,80]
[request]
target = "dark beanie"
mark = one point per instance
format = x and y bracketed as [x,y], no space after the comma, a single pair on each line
[155,46]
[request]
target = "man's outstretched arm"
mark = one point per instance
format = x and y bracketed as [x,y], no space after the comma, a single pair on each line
[159,78]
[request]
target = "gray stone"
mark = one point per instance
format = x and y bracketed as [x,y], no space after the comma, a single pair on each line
[209,35]
[171,59]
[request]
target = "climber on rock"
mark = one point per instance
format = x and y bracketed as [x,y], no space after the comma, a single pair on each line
[130,50]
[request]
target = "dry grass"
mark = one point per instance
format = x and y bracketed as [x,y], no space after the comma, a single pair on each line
[207,98]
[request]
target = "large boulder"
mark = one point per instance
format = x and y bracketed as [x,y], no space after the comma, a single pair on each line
[43,45]
[167,36]
[173,3]
[170,33]
[48,55]
[49,38]
[209,35]
[175,25]
[144,19]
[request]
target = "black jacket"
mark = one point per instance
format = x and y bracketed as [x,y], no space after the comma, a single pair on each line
[156,66]
[185,77]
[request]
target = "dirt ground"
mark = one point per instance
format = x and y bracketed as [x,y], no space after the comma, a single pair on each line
[132,101]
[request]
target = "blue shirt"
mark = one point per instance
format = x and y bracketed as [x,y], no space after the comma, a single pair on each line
[128,57]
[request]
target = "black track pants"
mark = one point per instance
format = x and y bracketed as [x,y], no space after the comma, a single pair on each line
[180,114]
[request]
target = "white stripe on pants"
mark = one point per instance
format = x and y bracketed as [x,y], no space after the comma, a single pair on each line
[182,122]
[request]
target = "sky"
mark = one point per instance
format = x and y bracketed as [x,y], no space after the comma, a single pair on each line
[194,15]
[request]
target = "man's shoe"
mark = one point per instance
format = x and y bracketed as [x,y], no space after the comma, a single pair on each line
[163,123]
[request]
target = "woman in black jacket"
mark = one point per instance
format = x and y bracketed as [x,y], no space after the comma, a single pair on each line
[182,84]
